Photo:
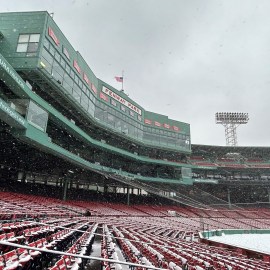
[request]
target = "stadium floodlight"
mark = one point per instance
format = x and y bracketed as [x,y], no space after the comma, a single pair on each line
[231,121]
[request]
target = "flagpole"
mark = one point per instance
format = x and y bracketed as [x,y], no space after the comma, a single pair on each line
[123,80]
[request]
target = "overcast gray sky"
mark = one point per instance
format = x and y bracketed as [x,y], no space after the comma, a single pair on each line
[185,59]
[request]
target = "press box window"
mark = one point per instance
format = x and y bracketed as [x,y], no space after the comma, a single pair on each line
[37,116]
[28,43]
[123,108]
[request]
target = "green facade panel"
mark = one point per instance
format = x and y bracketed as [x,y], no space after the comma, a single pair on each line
[11,117]
[14,24]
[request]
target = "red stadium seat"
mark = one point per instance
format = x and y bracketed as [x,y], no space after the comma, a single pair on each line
[11,260]
[24,256]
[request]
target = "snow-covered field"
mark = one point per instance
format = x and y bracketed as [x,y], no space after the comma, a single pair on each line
[259,242]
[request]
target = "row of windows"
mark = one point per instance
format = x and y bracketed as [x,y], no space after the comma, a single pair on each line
[56,65]
[118,114]
[163,132]
[126,110]
[85,98]
[137,132]
[63,66]
[62,75]
[127,119]
[164,140]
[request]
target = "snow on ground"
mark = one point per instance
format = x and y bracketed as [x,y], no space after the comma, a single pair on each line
[258,242]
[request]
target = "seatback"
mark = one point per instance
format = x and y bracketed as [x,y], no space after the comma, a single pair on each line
[61,264]
[11,256]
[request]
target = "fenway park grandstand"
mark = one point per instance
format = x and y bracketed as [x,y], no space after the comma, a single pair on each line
[89,179]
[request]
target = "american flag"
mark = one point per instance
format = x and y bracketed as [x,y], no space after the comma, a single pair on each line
[119,79]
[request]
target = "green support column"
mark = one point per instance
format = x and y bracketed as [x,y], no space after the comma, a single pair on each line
[229,198]
[128,196]
[65,189]
[70,184]
[24,177]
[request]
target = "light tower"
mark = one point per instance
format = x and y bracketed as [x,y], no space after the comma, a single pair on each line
[231,121]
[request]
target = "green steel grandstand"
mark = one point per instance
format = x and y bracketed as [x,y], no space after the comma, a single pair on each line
[91,180]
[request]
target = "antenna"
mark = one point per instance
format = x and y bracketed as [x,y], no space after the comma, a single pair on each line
[231,121]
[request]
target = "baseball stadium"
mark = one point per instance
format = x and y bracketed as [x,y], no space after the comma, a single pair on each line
[89,179]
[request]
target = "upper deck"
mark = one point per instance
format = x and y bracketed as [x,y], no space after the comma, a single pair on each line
[37,49]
